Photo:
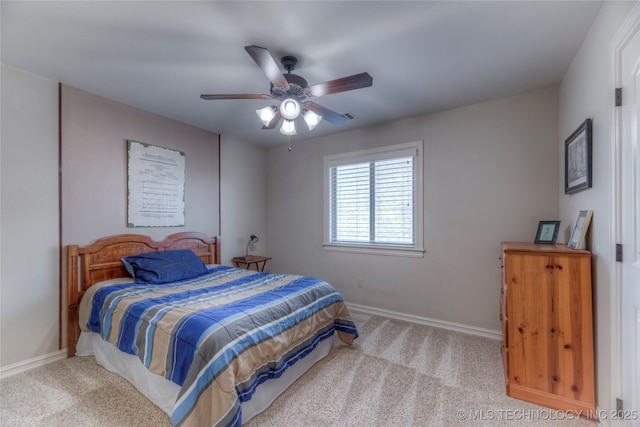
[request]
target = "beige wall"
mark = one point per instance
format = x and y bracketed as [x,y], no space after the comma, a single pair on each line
[586,92]
[490,174]
[94,165]
[29,216]
[244,198]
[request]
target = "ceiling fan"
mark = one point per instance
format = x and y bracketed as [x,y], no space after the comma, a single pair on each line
[292,91]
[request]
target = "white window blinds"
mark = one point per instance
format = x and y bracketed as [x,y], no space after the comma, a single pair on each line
[372,198]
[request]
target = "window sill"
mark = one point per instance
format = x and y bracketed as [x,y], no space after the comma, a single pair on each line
[375,250]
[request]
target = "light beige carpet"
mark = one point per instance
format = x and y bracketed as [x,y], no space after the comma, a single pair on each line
[399,374]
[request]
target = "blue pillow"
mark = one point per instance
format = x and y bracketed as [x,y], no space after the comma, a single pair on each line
[164,266]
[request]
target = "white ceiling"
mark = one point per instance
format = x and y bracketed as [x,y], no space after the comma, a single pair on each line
[424,56]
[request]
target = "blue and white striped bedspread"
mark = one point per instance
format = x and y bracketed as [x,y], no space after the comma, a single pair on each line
[219,335]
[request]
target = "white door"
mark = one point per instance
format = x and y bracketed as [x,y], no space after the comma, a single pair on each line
[630,229]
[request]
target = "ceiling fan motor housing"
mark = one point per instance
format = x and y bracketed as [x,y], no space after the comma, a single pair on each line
[297,88]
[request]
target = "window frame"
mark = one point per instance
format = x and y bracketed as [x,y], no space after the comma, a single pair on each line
[360,156]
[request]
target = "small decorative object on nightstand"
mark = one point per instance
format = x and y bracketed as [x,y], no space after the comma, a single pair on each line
[247,260]
[252,239]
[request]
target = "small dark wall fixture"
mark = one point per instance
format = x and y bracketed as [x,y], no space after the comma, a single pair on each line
[577,159]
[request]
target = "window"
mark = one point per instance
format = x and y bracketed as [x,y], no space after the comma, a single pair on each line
[373,200]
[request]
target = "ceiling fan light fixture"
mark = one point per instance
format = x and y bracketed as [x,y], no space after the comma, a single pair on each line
[312,119]
[266,114]
[290,109]
[288,127]
[291,91]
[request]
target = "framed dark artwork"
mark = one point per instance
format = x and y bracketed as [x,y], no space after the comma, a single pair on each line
[547,232]
[577,159]
[580,229]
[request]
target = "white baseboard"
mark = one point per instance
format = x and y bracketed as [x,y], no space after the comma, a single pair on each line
[25,365]
[487,333]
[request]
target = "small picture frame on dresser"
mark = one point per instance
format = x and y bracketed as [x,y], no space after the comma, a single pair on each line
[580,230]
[547,232]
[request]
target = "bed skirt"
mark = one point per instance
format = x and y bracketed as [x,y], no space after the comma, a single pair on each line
[163,393]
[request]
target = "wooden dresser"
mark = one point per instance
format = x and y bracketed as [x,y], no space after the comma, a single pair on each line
[547,326]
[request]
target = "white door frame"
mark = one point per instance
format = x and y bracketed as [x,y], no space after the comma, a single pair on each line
[623,36]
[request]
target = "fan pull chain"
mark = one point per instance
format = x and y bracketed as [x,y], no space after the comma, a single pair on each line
[289,142]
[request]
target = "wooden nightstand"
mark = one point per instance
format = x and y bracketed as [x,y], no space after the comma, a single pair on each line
[246,261]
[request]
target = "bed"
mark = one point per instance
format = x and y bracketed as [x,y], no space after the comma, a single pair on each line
[212,346]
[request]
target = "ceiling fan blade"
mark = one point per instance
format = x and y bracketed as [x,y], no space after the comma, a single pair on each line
[344,84]
[274,122]
[236,96]
[327,114]
[263,58]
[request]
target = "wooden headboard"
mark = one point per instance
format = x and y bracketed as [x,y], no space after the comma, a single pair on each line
[100,261]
